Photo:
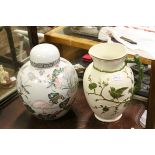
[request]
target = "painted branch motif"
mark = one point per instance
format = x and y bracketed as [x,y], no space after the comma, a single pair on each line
[115,93]
[22,90]
[70,85]
[127,74]
[55,74]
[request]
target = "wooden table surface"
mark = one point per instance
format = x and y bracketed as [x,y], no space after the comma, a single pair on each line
[80,116]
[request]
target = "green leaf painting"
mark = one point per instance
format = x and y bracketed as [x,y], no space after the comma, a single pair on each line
[105,109]
[117,93]
[92,86]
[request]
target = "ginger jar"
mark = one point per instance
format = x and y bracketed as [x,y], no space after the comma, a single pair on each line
[47,83]
[108,82]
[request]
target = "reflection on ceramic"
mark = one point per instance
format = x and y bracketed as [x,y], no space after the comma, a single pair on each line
[108,83]
[47,83]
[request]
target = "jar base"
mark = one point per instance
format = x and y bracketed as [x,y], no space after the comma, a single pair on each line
[50,117]
[108,120]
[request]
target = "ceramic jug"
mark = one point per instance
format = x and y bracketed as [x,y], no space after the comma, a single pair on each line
[47,83]
[108,82]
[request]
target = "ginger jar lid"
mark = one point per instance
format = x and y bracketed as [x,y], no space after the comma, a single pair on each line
[44,55]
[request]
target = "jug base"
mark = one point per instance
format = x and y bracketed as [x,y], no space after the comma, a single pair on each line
[108,120]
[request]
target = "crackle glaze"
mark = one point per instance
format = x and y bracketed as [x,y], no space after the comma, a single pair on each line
[108,83]
[47,83]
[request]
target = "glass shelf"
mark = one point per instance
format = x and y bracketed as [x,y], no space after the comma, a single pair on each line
[15,45]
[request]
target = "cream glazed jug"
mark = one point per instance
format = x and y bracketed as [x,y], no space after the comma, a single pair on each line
[108,82]
[47,83]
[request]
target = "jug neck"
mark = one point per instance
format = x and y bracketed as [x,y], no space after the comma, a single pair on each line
[109,65]
[108,57]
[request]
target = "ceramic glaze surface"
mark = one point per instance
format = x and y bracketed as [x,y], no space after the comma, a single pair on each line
[47,89]
[108,88]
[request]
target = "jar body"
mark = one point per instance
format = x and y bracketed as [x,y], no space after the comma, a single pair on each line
[108,93]
[48,92]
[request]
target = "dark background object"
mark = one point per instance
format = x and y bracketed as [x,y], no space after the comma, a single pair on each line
[33,37]
[150,121]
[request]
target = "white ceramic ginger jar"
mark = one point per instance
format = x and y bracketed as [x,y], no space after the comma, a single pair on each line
[108,83]
[47,83]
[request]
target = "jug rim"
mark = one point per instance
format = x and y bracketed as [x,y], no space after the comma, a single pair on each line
[93,51]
